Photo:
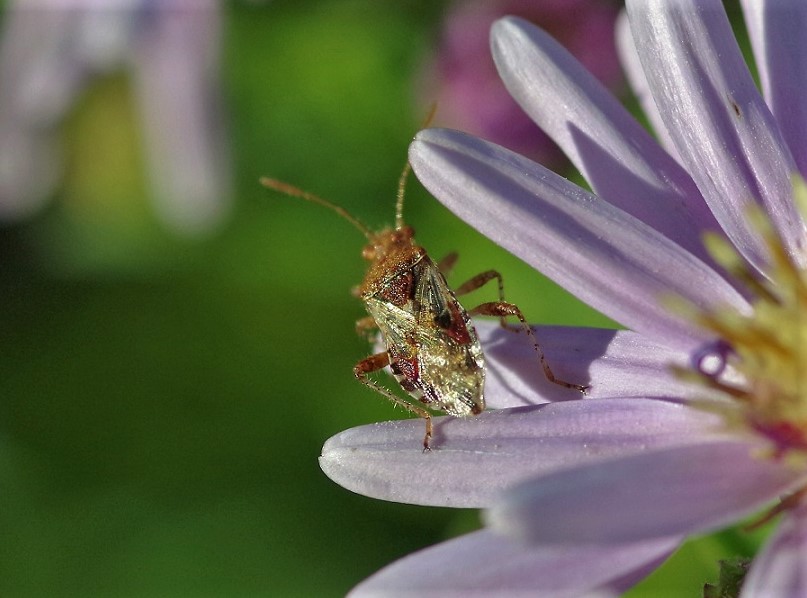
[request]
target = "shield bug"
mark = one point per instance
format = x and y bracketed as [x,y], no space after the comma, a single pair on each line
[429,342]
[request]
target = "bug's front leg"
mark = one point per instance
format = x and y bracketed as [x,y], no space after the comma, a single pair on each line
[377,362]
[502,309]
[446,264]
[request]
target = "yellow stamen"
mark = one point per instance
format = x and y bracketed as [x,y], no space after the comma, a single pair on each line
[768,348]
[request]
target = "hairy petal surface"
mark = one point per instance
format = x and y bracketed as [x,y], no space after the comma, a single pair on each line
[623,164]
[615,363]
[474,459]
[676,490]
[723,131]
[609,259]
[485,564]
[776,29]
[780,569]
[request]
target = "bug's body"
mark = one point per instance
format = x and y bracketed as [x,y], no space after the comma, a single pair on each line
[429,342]
[433,349]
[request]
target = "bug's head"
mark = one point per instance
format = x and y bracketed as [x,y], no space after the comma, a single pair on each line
[388,241]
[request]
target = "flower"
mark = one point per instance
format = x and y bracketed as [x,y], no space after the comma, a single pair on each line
[651,455]
[172,50]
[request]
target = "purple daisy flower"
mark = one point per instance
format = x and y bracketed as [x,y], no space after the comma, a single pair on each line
[697,415]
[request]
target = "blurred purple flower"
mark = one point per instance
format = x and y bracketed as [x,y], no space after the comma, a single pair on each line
[51,49]
[665,455]
[469,93]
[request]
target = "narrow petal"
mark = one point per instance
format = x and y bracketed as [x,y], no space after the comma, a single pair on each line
[780,568]
[485,564]
[776,29]
[725,134]
[632,66]
[621,162]
[473,460]
[614,363]
[674,490]
[609,259]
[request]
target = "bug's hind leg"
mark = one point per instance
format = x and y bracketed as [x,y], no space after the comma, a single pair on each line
[502,309]
[377,362]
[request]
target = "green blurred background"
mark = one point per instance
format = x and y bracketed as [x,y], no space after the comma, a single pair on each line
[163,400]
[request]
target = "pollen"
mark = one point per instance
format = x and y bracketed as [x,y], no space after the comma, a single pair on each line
[765,351]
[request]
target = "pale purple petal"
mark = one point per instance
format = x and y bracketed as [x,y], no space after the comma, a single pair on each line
[484,564]
[780,569]
[724,132]
[776,29]
[681,489]
[615,363]
[632,66]
[609,259]
[621,161]
[474,459]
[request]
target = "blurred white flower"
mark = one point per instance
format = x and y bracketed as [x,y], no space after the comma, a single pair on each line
[50,50]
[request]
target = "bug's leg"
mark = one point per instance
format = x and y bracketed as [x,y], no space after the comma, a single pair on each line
[502,309]
[377,362]
[446,264]
[480,280]
[365,327]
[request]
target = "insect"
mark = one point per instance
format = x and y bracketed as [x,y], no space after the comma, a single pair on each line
[429,342]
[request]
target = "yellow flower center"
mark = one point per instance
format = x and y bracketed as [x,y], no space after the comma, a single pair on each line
[766,351]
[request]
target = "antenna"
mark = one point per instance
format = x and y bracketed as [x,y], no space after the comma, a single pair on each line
[399,221]
[293,191]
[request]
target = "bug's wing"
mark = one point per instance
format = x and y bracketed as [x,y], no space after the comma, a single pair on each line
[439,316]
[396,325]
[450,356]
